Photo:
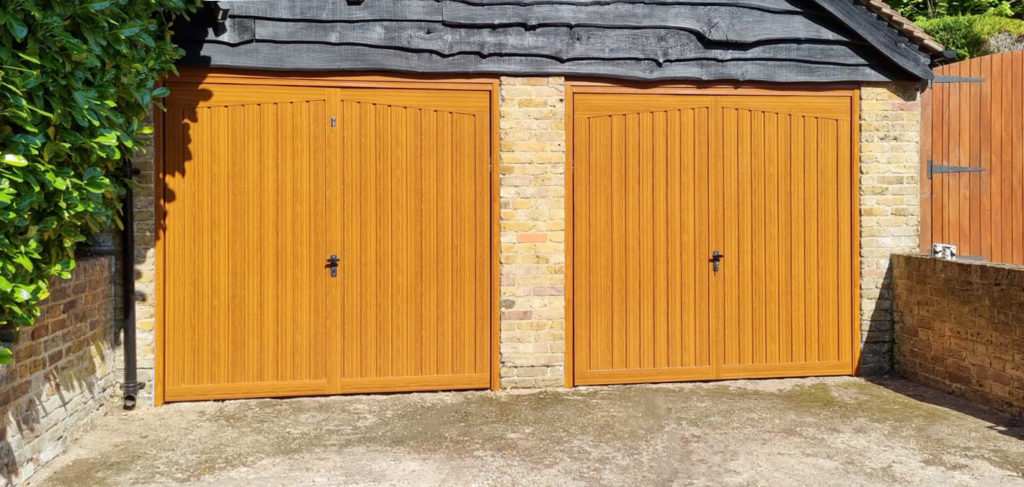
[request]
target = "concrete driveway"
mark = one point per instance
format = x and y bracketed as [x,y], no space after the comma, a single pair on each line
[841,431]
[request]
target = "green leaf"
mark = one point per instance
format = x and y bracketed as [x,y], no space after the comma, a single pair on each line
[21,293]
[24,261]
[18,28]
[108,138]
[6,356]
[15,160]
[29,58]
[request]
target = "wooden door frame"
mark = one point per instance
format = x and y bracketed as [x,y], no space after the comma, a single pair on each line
[331,80]
[582,86]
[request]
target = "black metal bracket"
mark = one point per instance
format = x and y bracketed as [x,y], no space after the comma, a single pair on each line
[956,79]
[716,260]
[132,388]
[332,264]
[941,169]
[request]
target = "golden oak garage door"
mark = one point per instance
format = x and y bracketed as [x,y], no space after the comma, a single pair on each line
[321,240]
[712,235]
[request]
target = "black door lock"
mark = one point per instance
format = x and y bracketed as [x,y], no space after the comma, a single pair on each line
[332,264]
[716,258]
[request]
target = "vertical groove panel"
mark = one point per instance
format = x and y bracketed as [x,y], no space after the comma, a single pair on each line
[639,186]
[788,300]
[633,235]
[620,279]
[599,183]
[245,311]
[659,339]
[416,310]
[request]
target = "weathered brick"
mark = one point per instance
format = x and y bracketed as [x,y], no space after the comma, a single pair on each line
[956,331]
[62,372]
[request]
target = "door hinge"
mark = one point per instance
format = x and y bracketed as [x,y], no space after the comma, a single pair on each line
[939,78]
[943,79]
[941,169]
[334,122]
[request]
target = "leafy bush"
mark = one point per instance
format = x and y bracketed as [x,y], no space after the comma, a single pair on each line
[968,34]
[76,83]
[918,10]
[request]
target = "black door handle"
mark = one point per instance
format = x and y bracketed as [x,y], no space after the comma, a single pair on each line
[716,259]
[332,264]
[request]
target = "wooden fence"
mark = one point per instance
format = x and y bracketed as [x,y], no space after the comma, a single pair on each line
[972,159]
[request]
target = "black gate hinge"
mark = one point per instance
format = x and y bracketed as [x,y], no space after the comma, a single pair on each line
[941,169]
[939,78]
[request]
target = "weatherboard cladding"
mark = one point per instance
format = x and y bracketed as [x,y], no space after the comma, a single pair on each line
[764,40]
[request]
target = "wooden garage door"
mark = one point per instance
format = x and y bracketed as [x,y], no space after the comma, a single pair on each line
[262,184]
[661,182]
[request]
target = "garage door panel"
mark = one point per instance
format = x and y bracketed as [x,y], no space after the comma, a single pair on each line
[244,284]
[261,184]
[416,243]
[653,198]
[640,214]
[788,199]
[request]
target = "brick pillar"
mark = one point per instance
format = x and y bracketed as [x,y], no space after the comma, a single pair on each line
[532,201]
[145,272]
[890,207]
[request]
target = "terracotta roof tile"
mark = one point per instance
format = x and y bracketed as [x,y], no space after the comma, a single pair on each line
[904,25]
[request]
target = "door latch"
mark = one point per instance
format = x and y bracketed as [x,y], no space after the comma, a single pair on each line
[716,259]
[332,264]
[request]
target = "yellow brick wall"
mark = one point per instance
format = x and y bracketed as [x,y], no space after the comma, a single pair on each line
[890,209]
[532,201]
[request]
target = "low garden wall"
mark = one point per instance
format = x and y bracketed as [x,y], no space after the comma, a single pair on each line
[959,327]
[63,370]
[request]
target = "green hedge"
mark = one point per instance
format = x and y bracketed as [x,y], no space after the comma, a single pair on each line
[918,10]
[76,83]
[967,34]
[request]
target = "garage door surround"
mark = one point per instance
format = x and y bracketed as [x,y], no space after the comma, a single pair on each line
[709,363]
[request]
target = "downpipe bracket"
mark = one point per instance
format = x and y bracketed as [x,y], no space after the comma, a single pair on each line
[131,392]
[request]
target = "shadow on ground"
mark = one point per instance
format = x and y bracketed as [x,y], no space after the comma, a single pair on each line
[997,421]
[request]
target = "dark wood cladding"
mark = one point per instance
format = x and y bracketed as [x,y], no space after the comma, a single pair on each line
[756,40]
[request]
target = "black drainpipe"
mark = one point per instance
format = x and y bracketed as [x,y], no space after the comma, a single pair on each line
[131,386]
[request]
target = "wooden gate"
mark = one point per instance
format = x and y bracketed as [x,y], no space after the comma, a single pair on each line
[661,184]
[972,158]
[324,239]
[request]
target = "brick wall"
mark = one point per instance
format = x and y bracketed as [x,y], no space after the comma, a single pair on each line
[62,371]
[890,215]
[960,328]
[532,166]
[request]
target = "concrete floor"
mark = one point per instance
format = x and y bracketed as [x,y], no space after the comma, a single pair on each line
[843,431]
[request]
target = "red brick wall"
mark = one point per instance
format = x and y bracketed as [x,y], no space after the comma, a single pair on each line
[960,328]
[62,372]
